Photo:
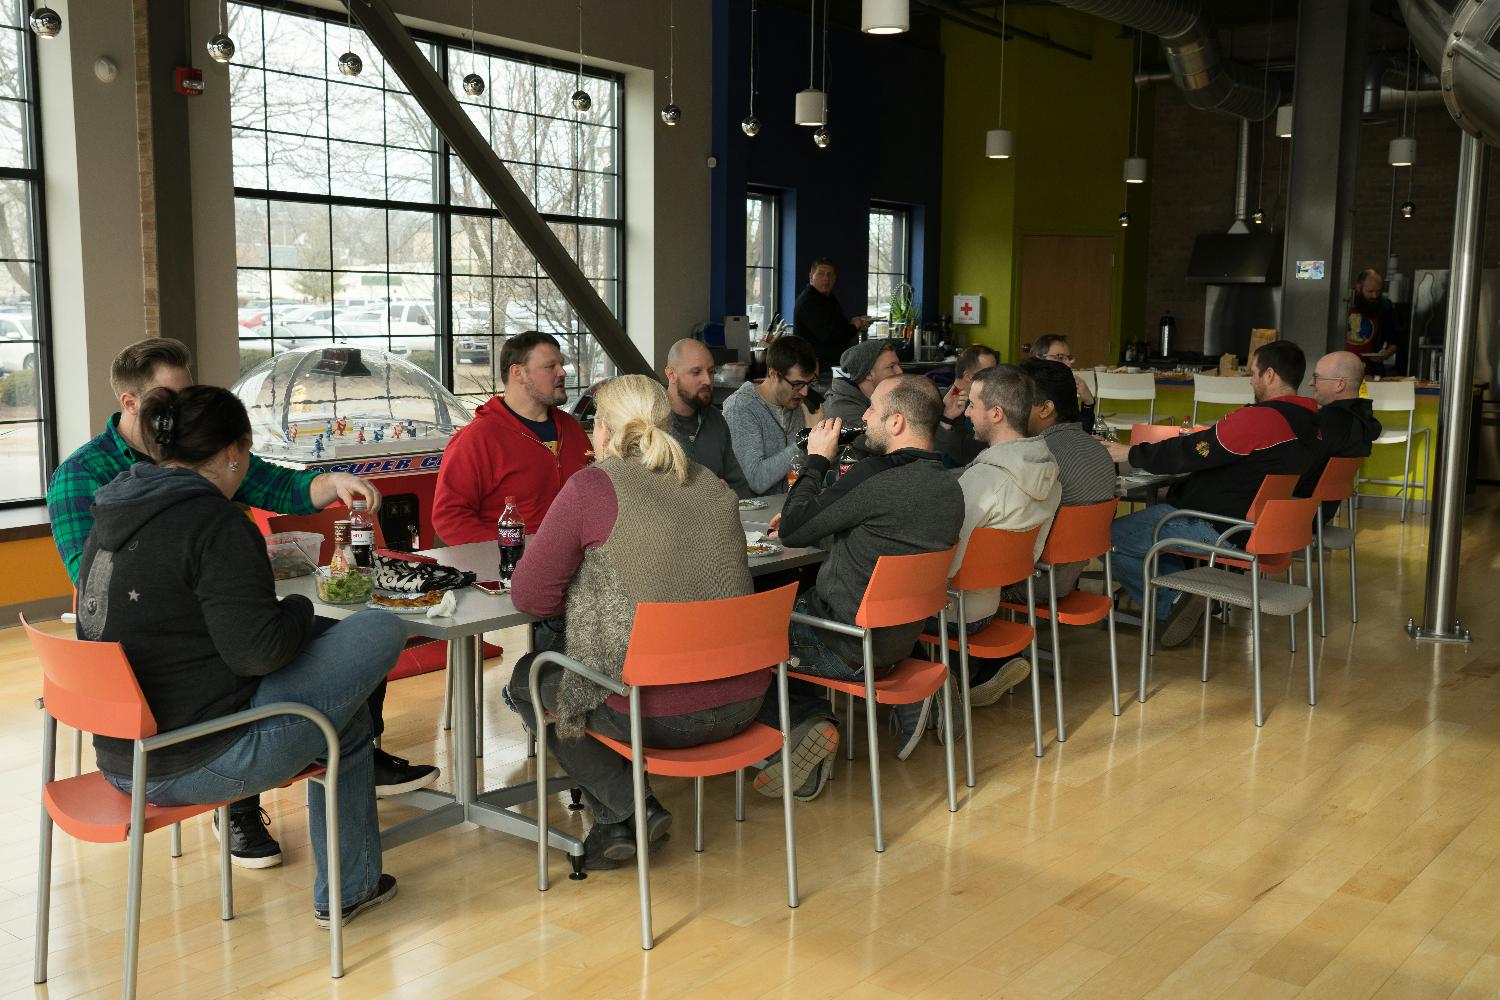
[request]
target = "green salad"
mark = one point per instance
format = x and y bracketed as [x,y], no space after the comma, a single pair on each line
[351,587]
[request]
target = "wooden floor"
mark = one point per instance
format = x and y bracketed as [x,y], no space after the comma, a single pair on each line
[1348,850]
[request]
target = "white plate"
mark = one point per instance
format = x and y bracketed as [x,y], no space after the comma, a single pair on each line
[752,504]
[762,550]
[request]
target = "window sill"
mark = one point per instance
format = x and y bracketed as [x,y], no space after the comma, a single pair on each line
[29,521]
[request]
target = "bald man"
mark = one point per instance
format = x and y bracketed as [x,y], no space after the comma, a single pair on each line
[697,423]
[1346,422]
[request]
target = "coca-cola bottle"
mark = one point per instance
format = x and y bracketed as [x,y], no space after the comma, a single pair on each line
[847,458]
[510,531]
[361,534]
[850,430]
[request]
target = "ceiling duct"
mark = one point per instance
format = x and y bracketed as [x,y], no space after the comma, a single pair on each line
[1460,44]
[1207,79]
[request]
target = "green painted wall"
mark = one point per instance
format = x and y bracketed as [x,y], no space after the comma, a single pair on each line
[1071,120]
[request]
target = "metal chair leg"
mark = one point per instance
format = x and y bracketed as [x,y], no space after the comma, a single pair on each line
[44,853]
[1406,470]
[133,883]
[226,879]
[1057,663]
[1353,566]
[947,690]
[1291,621]
[448,693]
[698,814]
[873,735]
[1036,684]
[1114,655]
[849,743]
[177,838]
[1312,655]
[739,796]
[1208,622]
[1146,618]
[1260,718]
[963,670]
[77,752]
[1322,581]
[642,840]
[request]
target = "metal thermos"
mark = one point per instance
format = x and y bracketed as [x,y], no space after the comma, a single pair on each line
[1166,332]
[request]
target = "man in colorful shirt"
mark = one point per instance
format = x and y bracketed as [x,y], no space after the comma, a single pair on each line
[1373,330]
[137,370]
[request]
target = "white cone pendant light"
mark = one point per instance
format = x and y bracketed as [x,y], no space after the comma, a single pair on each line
[885,17]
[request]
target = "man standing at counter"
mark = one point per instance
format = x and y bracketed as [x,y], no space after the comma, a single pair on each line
[521,444]
[135,371]
[697,423]
[1373,331]
[818,319]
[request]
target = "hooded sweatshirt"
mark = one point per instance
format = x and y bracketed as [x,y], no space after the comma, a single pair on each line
[497,456]
[1348,429]
[176,574]
[1013,486]
[764,439]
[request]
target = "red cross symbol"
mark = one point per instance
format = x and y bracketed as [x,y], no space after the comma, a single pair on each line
[966,308]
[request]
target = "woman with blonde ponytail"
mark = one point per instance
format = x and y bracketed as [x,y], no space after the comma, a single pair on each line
[643,523]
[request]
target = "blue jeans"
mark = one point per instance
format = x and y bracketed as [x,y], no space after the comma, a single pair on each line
[335,674]
[1132,539]
[805,700]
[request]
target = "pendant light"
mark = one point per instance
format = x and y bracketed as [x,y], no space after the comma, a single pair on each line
[671,114]
[811,105]
[581,99]
[473,82]
[46,22]
[1135,164]
[221,46]
[1258,216]
[1403,149]
[821,136]
[750,124]
[350,64]
[885,17]
[1284,122]
[998,142]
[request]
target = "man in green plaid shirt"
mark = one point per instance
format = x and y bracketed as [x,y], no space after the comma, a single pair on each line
[137,370]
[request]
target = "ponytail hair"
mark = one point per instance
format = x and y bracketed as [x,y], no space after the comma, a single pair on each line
[191,426]
[636,411]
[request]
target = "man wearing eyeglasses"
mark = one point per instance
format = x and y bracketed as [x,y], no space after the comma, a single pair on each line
[764,418]
[1054,347]
[1347,422]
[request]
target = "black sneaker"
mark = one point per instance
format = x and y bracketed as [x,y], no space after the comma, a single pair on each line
[908,724]
[658,821]
[1181,622]
[395,775]
[250,843]
[384,889]
[608,845]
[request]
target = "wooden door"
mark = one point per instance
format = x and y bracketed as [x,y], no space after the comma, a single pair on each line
[1068,287]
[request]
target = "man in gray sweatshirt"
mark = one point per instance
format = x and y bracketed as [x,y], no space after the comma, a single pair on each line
[697,423]
[764,419]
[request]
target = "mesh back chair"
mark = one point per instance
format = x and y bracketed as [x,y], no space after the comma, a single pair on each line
[902,590]
[1336,485]
[1221,390]
[91,687]
[1283,528]
[684,642]
[1400,397]
[994,558]
[1139,387]
[1079,534]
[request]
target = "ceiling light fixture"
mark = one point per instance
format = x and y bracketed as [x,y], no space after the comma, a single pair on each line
[999,144]
[221,46]
[671,114]
[1284,122]
[350,64]
[581,99]
[811,105]
[885,17]
[473,82]
[750,124]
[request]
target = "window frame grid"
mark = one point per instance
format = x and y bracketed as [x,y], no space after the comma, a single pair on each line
[903,214]
[770,210]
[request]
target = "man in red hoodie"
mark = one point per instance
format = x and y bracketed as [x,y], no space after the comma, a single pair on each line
[521,445]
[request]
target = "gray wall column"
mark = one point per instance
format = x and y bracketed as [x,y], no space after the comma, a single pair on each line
[1325,151]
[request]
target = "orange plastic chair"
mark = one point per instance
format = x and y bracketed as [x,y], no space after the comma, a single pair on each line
[686,642]
[902,590]
[91,687]
[1284,527]
[994,558]
[1079,534]
[1336,485]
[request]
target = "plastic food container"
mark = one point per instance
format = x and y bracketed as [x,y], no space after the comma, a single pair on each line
[351,587]
[293,553]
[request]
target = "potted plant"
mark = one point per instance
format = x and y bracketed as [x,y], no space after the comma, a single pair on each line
[905,312]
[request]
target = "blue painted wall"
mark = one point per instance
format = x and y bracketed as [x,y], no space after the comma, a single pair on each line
[885,111]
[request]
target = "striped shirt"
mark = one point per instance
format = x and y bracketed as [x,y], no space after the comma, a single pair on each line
[1083,465]
[70,497]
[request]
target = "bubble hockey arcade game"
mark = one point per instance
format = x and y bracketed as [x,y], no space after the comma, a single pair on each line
[362,411]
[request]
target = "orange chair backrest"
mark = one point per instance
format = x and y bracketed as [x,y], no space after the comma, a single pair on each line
[322,523]
[1275,487]
[90,686]
[905,589]
[1152,433]
[1283,526]
[1337,480]
[1080,533]
[996,557]
[683,642]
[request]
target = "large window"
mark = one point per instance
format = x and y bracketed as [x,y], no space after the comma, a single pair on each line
[890,256]
[762,251]
[356,223]
[25,437]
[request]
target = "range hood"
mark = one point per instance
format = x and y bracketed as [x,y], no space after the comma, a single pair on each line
[1236,259]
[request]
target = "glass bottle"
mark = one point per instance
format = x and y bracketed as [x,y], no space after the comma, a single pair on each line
[510,533]
[343,559]
[361,534]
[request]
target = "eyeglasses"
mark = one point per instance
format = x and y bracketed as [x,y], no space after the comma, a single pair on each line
[1316,378]
[1066,359]
[798,384]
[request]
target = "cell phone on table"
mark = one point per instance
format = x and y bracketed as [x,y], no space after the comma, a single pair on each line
[491,586]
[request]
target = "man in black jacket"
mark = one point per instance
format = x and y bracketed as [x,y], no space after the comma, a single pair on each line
[1226,464]
[1347,421]
[818,318]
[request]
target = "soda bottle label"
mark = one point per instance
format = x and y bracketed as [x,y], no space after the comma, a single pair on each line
[511,534]
[361,537]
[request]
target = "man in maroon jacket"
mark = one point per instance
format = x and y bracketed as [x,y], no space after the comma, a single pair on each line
[521,444]
[1226,464]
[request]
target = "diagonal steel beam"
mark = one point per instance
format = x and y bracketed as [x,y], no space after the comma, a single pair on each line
[428,89]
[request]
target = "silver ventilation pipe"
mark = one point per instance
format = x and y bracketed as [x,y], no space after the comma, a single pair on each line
[1242,181]
[1207,80]
[1457,37]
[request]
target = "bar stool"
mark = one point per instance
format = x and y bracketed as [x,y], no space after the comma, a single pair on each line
[1137,387]
[1400,397]
[1221,390]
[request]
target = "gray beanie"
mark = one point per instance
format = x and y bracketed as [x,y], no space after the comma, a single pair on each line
[859,359]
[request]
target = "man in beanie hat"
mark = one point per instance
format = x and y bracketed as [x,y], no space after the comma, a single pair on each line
[865,366]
